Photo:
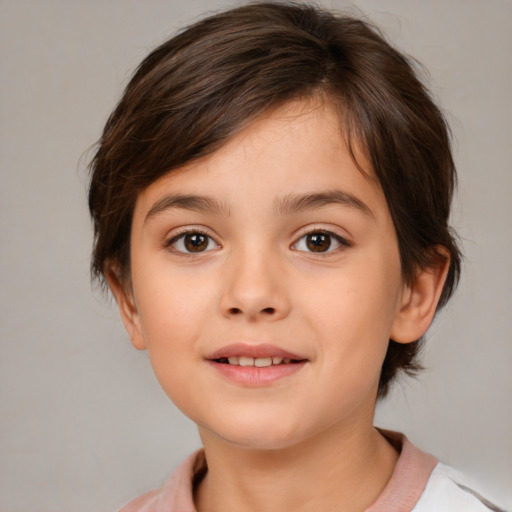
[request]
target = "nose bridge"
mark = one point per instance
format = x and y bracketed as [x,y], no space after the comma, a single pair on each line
[255,283]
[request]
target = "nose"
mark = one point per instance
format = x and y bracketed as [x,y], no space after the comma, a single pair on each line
[255,288]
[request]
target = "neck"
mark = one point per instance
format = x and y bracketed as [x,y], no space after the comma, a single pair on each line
[342,469]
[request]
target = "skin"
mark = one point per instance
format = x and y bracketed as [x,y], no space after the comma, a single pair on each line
[257,281]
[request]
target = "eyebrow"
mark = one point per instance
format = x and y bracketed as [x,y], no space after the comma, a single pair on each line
[288,204]
[188,202]
[295,202]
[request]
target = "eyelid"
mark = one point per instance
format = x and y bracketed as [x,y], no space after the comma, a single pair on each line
[188,230]
[342,240]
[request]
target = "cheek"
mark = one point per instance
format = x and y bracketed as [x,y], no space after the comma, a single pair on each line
[353,335]
[352,313]
[171,303]
[360,300]
[173,312]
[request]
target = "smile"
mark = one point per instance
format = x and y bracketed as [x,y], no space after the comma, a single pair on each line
[249,354]
[253,366]
[259,362]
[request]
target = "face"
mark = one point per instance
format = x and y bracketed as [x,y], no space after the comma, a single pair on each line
[266,283]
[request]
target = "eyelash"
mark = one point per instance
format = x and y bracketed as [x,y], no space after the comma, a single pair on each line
[181,236]
[343,242]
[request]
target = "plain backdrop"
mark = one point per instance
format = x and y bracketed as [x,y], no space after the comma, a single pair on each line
[84,425]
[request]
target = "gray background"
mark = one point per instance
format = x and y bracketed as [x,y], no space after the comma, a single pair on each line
[84,425]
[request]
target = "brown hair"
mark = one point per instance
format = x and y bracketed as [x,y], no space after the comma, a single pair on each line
[195,91]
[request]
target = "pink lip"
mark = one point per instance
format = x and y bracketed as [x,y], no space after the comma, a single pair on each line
[252,376]
[247,350]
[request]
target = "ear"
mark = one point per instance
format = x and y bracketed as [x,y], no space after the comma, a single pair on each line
[419,300]
[127,307]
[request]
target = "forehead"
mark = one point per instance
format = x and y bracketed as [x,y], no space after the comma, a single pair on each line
[297,148]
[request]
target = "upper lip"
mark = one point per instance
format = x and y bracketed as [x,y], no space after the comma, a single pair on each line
[255,351]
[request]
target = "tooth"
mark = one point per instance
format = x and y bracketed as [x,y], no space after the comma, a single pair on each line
[277,360]
[233,360]
[246,361]
[287,361]
[261,362]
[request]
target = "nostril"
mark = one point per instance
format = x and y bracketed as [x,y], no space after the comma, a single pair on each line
[237,311]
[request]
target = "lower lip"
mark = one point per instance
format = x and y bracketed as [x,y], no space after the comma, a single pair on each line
[252,376]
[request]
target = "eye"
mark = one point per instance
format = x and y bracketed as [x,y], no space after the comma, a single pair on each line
[192,242]
[320,242]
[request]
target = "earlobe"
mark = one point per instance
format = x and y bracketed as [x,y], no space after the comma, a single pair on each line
[419,301]
[127,308]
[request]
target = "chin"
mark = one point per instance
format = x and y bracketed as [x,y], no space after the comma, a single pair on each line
[267,442]
[256,435]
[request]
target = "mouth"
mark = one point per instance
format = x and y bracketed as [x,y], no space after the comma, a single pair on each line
[255,365]
[260,355]
[258,362]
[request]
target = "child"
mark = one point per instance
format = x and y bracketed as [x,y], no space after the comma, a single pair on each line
[270,201]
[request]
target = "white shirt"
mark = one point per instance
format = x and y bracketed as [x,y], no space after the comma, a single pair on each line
[448,491]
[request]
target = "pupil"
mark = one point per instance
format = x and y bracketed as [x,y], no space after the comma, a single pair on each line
[196,242]
[318,242]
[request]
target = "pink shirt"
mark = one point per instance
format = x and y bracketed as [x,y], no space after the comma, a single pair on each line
[418,484]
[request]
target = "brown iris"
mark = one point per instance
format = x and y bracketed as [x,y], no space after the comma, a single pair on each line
[318,242]
[195,242]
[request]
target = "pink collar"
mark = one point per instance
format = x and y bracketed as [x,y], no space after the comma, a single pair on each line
[409,478]
[401,494]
